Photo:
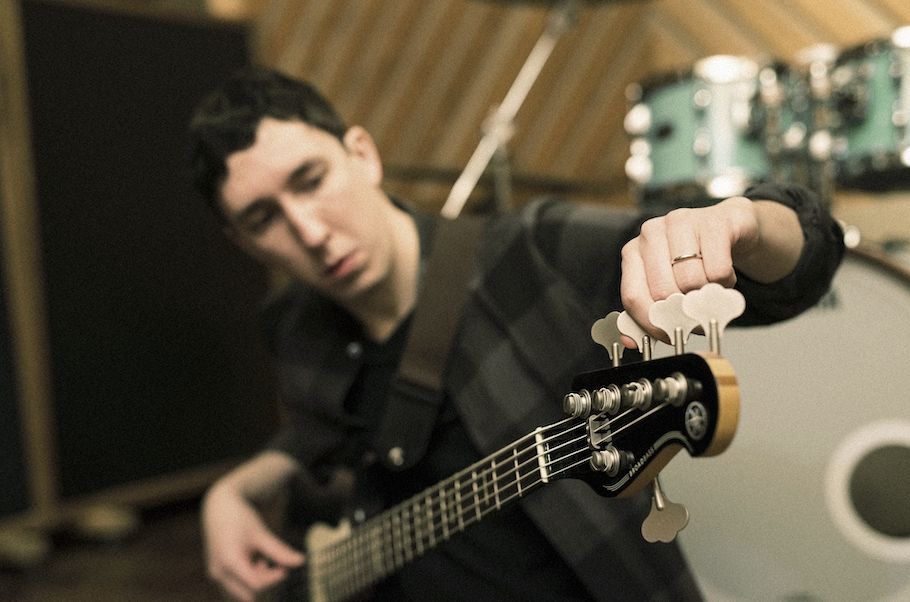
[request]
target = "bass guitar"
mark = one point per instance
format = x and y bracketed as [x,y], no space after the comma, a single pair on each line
[624,424]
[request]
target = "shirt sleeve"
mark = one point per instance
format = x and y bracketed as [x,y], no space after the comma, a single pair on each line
[822,253]
[584,242]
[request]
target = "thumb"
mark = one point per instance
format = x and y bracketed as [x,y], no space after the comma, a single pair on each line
[279,552]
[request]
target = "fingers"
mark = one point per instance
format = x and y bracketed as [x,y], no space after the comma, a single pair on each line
[278,552]
[243,556]
[635,291]
[687,254]
[256,574]
[252,573]
[678,252]
[717,260]
[237,589]
[654,248]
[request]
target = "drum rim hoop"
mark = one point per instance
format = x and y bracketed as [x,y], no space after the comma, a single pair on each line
[875,256]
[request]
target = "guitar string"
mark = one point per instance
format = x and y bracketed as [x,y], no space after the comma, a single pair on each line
[402,540]
[489,462]
[368,573]
[349,552]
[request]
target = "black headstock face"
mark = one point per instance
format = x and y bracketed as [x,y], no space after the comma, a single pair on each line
[633,418]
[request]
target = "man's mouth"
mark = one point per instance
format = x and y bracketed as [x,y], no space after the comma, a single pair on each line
[341,268]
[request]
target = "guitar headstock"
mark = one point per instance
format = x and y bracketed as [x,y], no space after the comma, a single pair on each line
[636,417]
[627,422]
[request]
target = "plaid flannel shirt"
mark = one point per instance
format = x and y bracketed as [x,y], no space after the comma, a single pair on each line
[544,275]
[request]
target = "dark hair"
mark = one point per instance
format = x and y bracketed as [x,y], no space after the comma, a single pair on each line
[226,120]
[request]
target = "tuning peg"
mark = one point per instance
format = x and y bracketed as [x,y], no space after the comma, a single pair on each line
[606,333]
[666,519]
[713,307]
[668,315]
[631,329]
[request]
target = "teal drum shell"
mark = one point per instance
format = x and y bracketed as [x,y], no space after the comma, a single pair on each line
[872,98]
[698,135]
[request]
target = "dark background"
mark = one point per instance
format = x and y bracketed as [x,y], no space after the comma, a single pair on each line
[155,359]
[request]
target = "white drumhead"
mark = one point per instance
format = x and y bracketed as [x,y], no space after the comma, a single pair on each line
[812,499]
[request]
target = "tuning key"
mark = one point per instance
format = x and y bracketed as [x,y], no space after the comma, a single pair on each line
[631,329]
[714,306]
[666,518]
[606,333]
[668,315]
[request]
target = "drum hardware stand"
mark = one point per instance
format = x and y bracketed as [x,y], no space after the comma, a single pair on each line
[502,179]
[819,61]
[499,126]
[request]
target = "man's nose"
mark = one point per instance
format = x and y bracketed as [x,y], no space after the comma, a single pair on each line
[305,223]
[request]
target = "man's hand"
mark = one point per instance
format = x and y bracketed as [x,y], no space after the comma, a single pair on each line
[242,555]
[688,248]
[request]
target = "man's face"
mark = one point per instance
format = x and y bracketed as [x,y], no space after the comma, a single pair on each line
[300,200]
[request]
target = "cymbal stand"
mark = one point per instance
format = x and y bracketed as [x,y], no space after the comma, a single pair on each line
[499,126]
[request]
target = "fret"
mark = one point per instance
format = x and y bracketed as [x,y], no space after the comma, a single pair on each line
[340,560]
[517,471]
[346,576]
[376,549]
[431,526]
[407,540]
[496,486]
[396,540]
[454,509]
[476,497]
[459,511]
[388,543]
[352,582]
[366,562]
[418,530]
[357,576]
[445,514]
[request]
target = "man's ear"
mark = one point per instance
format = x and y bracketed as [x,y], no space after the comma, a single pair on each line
[360,144]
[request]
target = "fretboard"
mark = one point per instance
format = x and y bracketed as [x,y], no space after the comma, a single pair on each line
[383,544]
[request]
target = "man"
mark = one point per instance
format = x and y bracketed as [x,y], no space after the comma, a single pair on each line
[302,192]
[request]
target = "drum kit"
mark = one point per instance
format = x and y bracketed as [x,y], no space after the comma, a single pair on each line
[832,119]
[810,500]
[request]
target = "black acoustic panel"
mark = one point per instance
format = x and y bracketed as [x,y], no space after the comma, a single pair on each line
[151,312]
[13,475]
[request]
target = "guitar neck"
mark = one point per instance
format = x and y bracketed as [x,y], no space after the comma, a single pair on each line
[385,543]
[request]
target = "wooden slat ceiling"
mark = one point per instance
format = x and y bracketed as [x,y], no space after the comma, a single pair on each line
[423,75]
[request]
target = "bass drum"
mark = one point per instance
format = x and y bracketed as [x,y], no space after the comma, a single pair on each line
[812,499]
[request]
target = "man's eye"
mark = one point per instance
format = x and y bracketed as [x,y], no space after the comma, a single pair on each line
[259,220]
[308,183]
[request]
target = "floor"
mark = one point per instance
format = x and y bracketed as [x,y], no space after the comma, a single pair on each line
[162,561]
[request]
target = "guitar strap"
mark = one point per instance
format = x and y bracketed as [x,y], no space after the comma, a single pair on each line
[416,392]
